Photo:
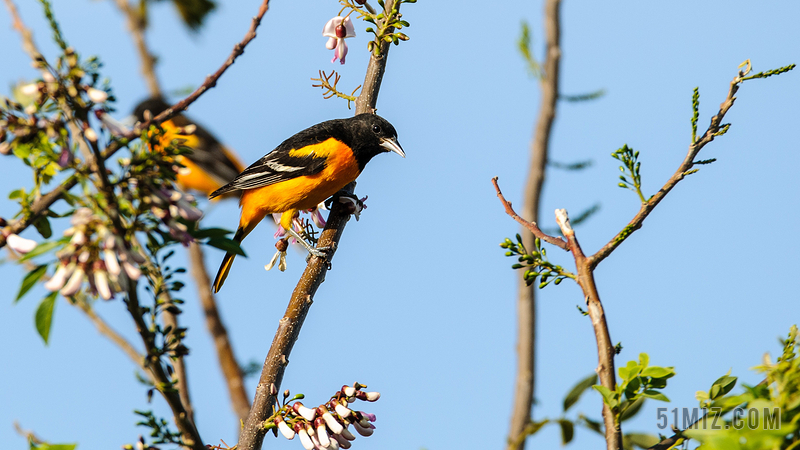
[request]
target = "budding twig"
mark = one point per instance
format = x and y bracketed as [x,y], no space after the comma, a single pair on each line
[331,90]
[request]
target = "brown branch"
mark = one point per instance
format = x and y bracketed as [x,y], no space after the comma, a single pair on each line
[137,25]
[252,435]
[683,170]
[111,334]
[231,369]
[161,381]
[525,383]
[179,364]
[530,226]
[42,205]
[605,349]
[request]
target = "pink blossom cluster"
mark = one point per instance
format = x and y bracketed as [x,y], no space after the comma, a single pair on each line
[80,260]
[326,427]
[171,205]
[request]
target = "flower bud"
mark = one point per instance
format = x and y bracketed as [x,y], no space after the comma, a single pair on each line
[20,244]
[285,430]
[96,95]
[307,413]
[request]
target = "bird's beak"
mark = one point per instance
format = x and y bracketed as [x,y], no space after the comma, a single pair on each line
[391,145]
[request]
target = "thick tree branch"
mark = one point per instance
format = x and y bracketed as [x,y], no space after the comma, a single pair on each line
[683,170]
[605,349]
[252,435]
[231,369]
[524,385]
[42,205]
[137,25]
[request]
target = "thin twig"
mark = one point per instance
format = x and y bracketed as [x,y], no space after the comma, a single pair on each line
[136,25]
[106,330]
[231,369]
[531,226]
[42,205]
[605,349]
[683,170]
[252,434]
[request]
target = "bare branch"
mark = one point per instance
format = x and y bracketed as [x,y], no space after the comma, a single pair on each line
[605,349]
[136,25]
[525,383]
[531,226]
[252,435]
[684,169]
[231,369]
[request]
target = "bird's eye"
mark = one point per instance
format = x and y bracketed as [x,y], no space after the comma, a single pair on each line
[376,128]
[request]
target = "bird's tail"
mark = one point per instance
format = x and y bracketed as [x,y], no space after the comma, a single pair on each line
[227,261]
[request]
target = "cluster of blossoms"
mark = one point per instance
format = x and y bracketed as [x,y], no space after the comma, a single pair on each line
[326,427]
[25,122]
[80,260]
[171,205]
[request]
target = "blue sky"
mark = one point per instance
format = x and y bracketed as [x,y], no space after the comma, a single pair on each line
[420,302]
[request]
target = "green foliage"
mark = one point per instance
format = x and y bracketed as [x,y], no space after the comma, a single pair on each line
[575,393]
[386,23]
[695,112]
[46,446]
[583,97]
[765,416]
[638,381]
[30,280]
[524,47]
[159,428]
[535,263]
[580,165]
[630,168]
[44,316]
[770,73]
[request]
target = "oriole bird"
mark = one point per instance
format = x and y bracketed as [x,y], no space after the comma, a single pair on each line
[305,170]
[209,166]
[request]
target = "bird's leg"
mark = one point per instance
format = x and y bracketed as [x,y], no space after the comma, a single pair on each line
[320,253]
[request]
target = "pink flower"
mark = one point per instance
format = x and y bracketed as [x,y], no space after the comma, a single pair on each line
[337,30]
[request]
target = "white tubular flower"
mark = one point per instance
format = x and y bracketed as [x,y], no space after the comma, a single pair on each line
[133,272]
[59,278]
[101,283]
[322,432]
[90,134]
[332,423]
[20,244]
[333,444]
[285,430]
[29,89]
[364,431]
[373,396]
[349,391]
[112,264]
[305,439]
[96,95]
[343,443]
[74,283]
[307,413]
[347,435]
[342,410]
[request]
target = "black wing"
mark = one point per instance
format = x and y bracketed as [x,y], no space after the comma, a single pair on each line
[278,165]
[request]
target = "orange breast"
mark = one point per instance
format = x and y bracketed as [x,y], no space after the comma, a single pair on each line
[303,192]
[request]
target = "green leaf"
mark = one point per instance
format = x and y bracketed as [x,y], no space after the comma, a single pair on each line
[43,247]
[194,12]
[567,431]
[609,397]
[210,233]
[640,440]
[722,386]
[43,227]
[655,395]
[658,372]
[229,245]
[644,360]
[30,280]
[631,409]
[54,447]
[44,316]
[575,393]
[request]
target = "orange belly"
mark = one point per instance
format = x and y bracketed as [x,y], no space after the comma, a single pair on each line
[304,192]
